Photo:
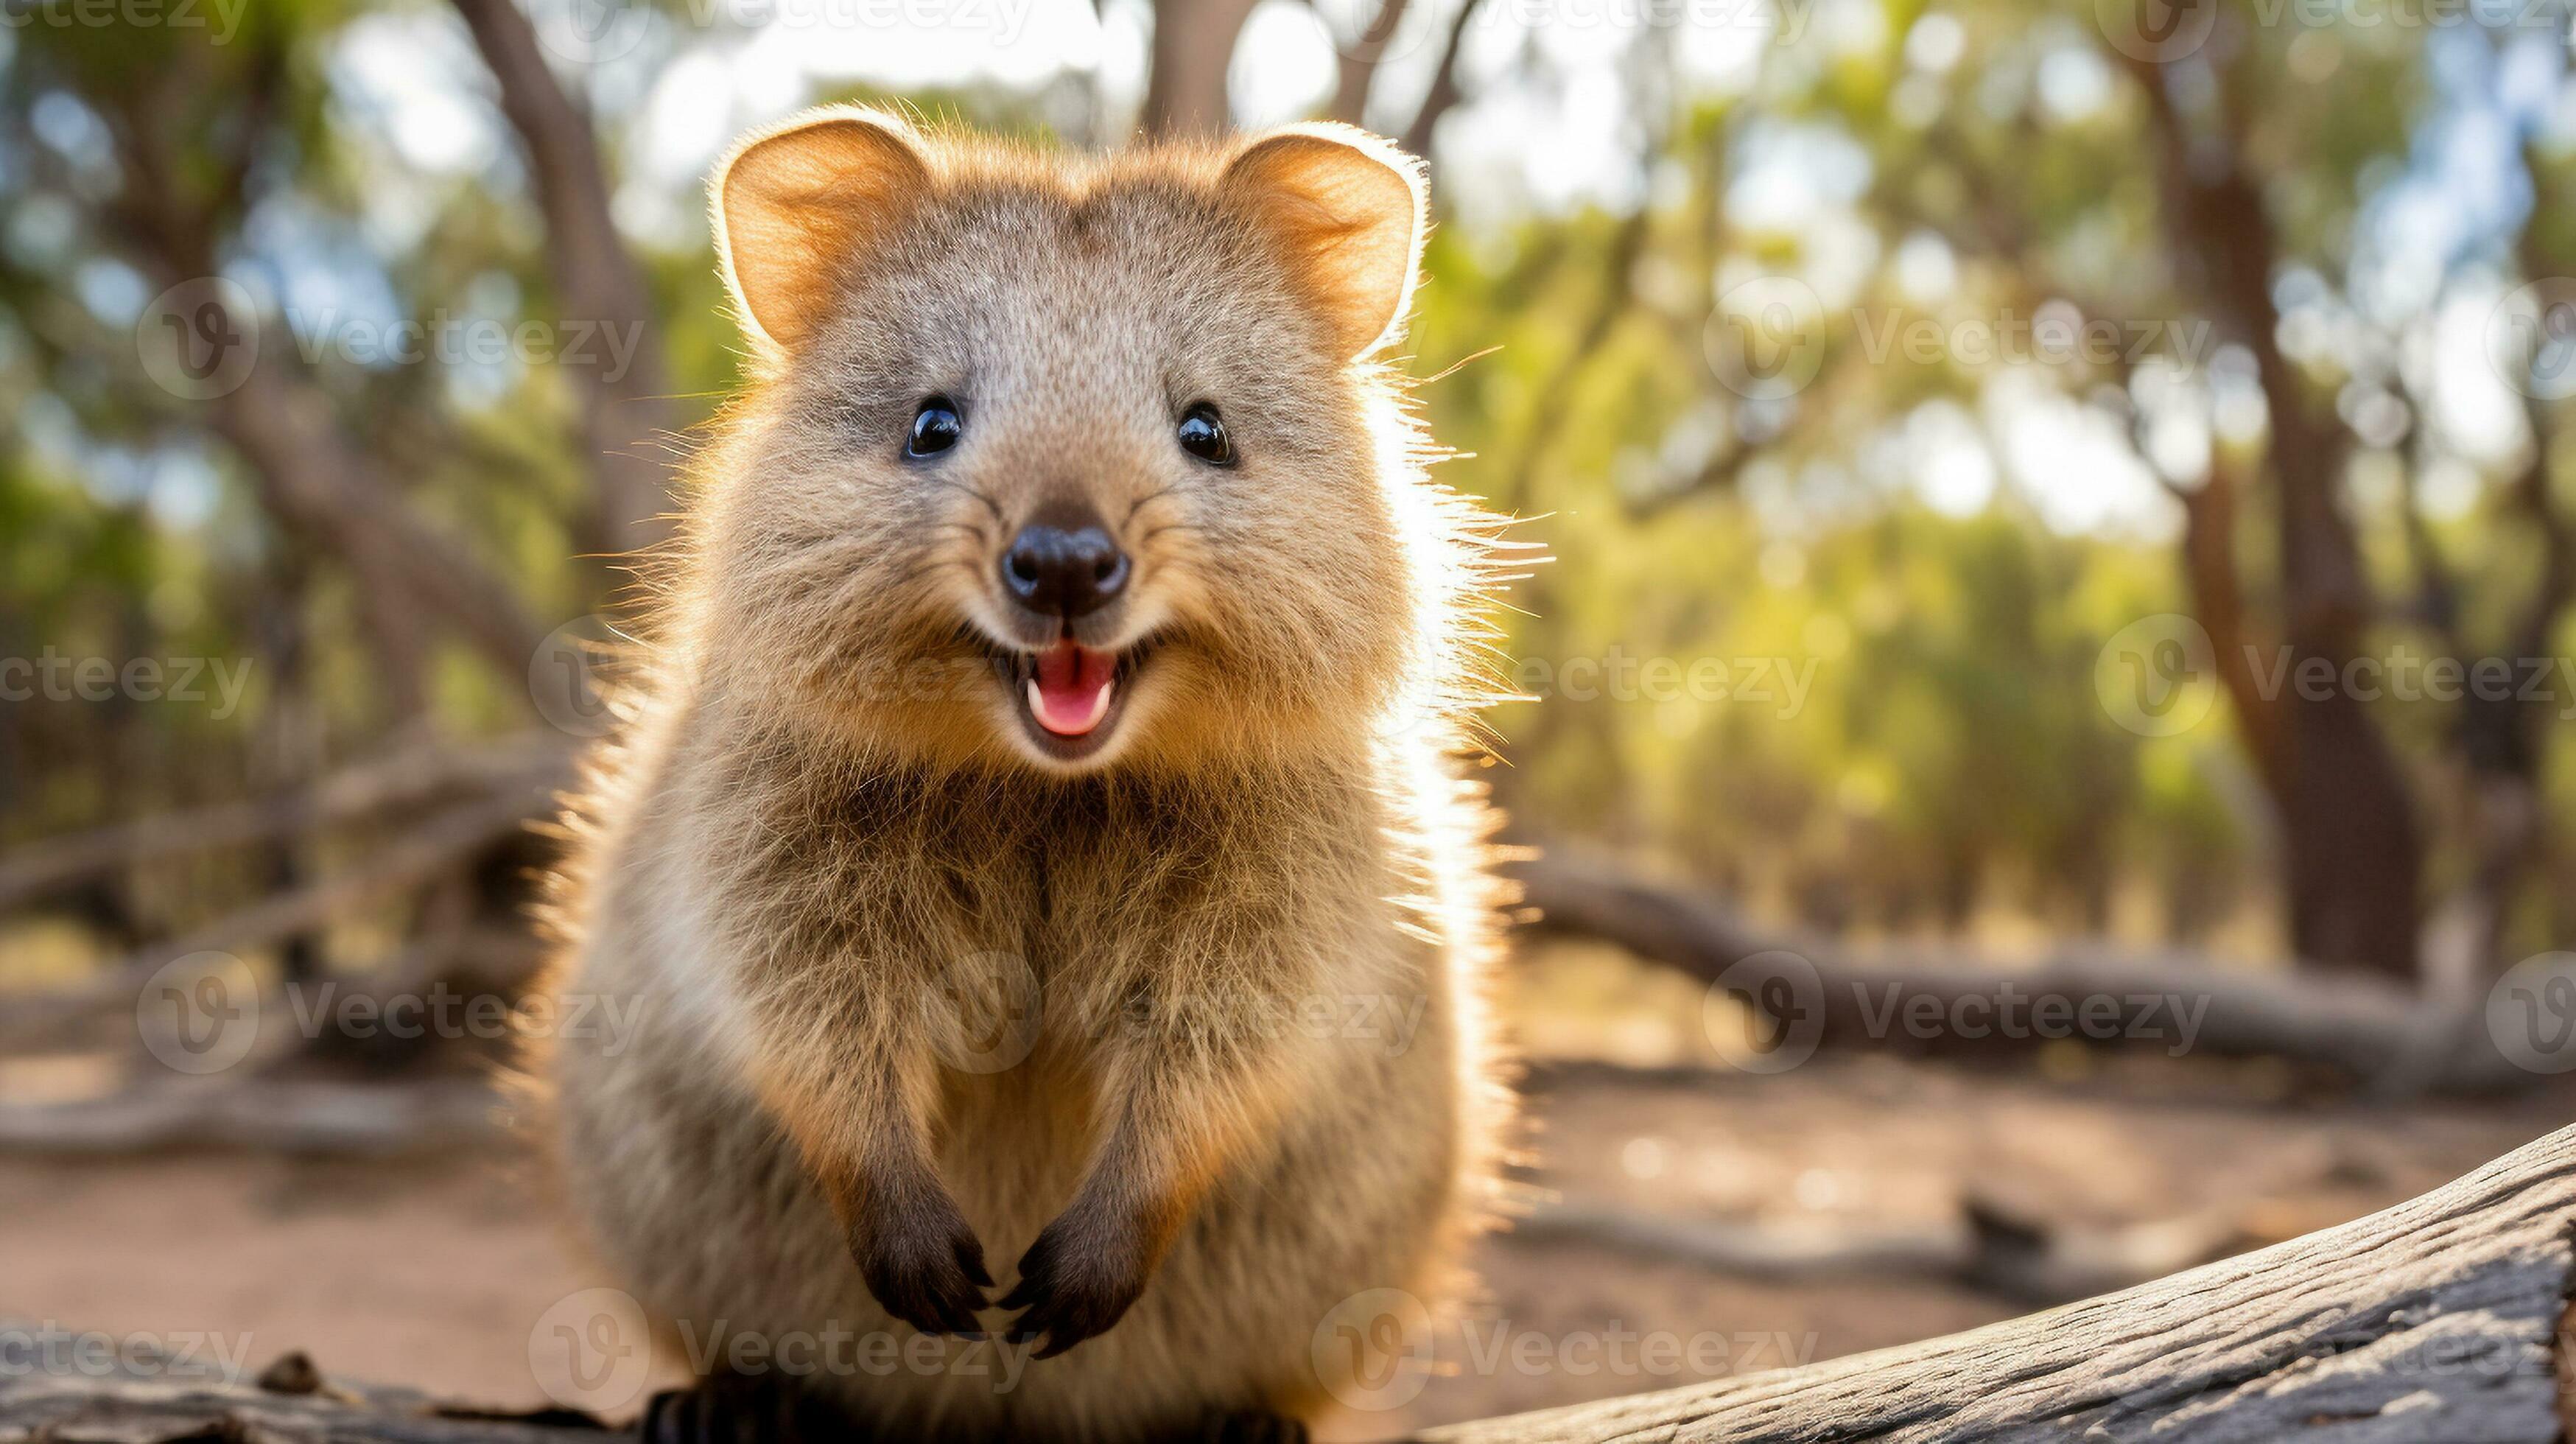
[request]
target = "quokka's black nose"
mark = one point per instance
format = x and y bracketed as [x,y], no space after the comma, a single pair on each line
[1064,567]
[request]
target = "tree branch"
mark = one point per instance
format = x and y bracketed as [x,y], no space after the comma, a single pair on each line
[1192,50]
[627,410]
[425,850]
[405,777]
[312,478]
[282,425]
[1356,63]
[2359,1027]
[1443,94]
[2218,601]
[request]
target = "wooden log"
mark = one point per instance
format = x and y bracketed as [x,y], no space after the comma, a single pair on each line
[51,1391]
[2391,1038]
[2434,1322]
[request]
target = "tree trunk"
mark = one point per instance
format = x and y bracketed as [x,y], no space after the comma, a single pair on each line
[2350,840]
[1193,48]
[627,415]
[2351,848]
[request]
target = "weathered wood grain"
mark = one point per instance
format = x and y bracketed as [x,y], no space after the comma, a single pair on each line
[2434,1322]
[139,1403]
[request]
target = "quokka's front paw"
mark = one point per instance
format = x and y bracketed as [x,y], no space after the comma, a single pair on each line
[1076,1281]
[925,1266]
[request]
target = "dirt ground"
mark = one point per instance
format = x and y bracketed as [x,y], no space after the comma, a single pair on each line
[433,1270]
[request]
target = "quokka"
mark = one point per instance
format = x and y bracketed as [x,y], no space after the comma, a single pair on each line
[1043,846]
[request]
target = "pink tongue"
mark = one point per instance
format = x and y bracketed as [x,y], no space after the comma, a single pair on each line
[1072,692]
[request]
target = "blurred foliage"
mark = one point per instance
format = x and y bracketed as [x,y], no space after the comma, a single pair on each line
[1942,761]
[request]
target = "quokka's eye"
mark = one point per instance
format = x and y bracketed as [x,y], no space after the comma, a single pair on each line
[1202,435]
[935,428]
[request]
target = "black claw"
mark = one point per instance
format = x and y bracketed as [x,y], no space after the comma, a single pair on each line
[922,1261]
[1068,1294]
[970,1257]
[937,1292]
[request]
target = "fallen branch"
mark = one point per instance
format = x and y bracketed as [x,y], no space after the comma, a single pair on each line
[1985,1249]
[2359,1026]
[421,853]
[299,1118]
[406,777]
[142,1404]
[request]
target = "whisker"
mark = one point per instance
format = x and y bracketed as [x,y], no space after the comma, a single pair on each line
[1141,502]
[989,504]
[926,568]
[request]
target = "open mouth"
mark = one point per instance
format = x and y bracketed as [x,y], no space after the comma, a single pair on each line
[1069,696]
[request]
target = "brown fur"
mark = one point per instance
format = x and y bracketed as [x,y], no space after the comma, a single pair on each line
[824,852]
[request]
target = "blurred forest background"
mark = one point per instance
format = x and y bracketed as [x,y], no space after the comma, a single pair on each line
[1956,427]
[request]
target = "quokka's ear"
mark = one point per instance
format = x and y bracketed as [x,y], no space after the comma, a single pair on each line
[1348,209]
[793,202]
